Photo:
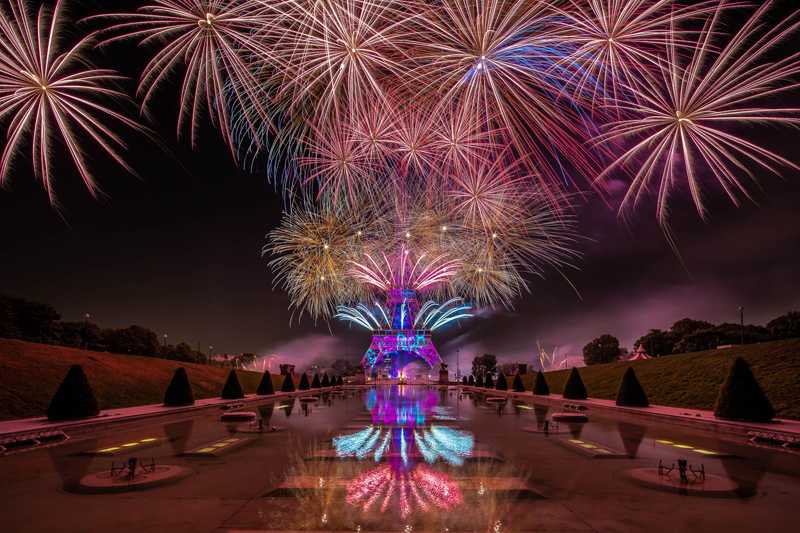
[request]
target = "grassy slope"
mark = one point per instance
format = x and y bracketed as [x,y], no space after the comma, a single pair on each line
[693,379]
[30,374]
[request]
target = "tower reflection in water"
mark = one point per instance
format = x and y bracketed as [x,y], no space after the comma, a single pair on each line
[402,439]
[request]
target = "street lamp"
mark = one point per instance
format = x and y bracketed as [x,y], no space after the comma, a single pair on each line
[741,323]
[165,340]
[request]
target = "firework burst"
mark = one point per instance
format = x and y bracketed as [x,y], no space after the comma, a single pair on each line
[215,42]
[499,60]
[46,94]
[617,42]
[677,120]
[311,252]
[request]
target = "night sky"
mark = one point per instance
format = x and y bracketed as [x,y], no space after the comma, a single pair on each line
[178,249]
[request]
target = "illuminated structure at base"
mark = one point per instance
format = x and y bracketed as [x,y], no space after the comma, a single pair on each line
[403,334]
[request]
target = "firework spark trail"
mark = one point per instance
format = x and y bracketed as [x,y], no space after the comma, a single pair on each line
[44,94]
[676,120]
[211,40]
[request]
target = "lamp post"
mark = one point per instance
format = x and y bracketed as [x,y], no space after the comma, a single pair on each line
[165,340]
[741,323]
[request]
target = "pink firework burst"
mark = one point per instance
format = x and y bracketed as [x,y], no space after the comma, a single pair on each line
[618,42]
[44,94]
[403,270]
[216,42]
[677,120]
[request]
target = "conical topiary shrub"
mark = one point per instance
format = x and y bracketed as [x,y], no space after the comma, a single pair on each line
[304,382]
[464,381]
[540,387]
[266,388]
[471,381]
[518,385]
[232,389]
[631,393]
[288,383]
[179,390]
[574,389]
[338,381]
[488,382]
[326,381]
[74,397]
[479,381]
[502,384]
[741,398]
[316,383]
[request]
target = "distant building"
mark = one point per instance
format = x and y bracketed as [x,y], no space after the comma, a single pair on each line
[286,369]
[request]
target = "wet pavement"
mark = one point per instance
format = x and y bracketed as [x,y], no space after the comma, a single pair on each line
[404,459]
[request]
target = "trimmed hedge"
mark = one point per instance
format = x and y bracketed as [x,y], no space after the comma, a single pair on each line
[266,388]
[304,382]
[74,397]
[741,397]
[518,385]
[479,381]
[488,382]
[464,381]
[232,389]
[316,383]
[179,391]
[326,381]
[540,387]
[471,380]
[631,393]
[288,383]
[502,384]
[574,389]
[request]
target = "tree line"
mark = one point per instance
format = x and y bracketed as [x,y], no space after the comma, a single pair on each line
[40,322]
[689,335]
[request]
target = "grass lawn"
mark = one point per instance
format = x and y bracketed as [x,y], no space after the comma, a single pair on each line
[693,379]
[30,374]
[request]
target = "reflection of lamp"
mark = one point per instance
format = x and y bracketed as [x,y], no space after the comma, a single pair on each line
[421,488]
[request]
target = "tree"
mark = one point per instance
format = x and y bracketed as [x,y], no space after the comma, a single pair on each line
[134,340]
[326,381]
[741,397]
[316,383]
[479,381]
[265,388]
[344,367]
[630,392]
[784,327]
[518,385]
[704,339]
[687,326]
[484,364]
[488,382]
[502,384]
[232,389]
[540,387]
[657,342]
[288,383]
[603,349]
[574,389]
[74,397]
[8,321]
[179,391]
[464,380]
[34,321]
[304,382]
[471,380]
